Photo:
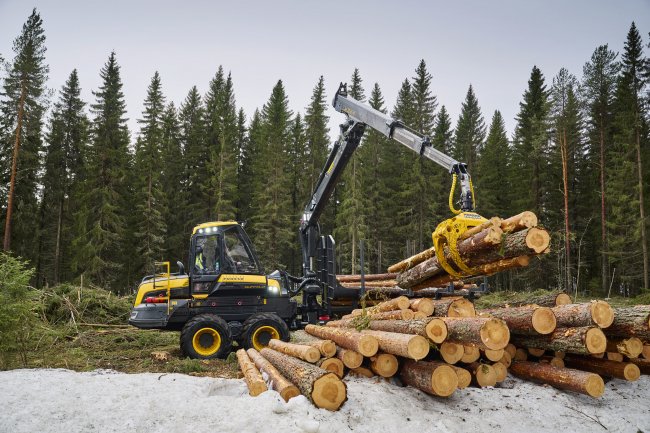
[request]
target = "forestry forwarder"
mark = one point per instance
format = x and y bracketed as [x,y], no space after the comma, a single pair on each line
[226,295]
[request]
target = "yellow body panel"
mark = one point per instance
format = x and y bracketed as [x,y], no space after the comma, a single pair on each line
[214,224]
[161,284]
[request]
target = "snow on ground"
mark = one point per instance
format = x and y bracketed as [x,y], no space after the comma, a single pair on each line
[63,401]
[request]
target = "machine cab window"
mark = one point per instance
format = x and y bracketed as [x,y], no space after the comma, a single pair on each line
[207,255]
[238,258]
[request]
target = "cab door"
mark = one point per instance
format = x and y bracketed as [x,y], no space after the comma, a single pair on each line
[241,271]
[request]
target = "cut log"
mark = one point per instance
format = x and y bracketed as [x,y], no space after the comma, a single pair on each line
[367,277]
[614,356]
[631,322]
[604,367]
[327,348]
[429,327]
[451,353]
[559,354]
[482,374]
[485,247]
[470,354]
[350,358]
[555,362]
[363,343]
[594,313]
[419,315]
[393,315]
[494,355]
[520,355]
[464,377]
[643,364]
[519,222]
[274,379]
[506,359]
[602,355]
[631,347]
[492,222]
[252,375]
[527,320]
[582,341]
[511,349]
[562,378]
[551,299]
[323,388]
[384,364]
[306,353]
[424,305]
[362,372]
[435,378]
[537,353]
[406,345]
[485,333]
[400,303]
[500,371]
[453,307]
[412,261]
[646,351]
[370,284]
[332,364]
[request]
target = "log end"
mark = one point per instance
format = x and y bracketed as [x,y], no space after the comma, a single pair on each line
[368,345]
[521,355]
[329,392]
[352,359]
[506,359]
[451,352]
[495,334]
[289,392]
[436,330]
[501,372]
[334,365]
[384,364]
[494,355]
[470,354]
[602,313]
[362,372]
[419,315]
[534,351]
[537,239]
[418,347]
[562,299]
[328,348]
[595,341]
[402,302]
[407,314]
[631,372]
[556,362]
[461,308]
[594,385]
[444,381]
[544,321]
[464,377]
[485,375]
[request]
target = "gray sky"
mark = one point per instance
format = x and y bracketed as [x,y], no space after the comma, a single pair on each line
[491,44]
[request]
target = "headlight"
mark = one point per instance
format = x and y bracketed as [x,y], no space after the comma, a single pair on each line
[273,290]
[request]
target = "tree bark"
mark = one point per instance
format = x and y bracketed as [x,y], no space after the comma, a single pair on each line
[603,221]
[386,315]
[327,348]
[482,332]
[405,345]
[367,277]
[332,364]
[522,221]
[631,347]
[400,303]
[642,221]
[643,364]
[435,378]
[526,320]
[254,381]
[453,307]
[365,344]
[350,358]
[384,364]
[562,378]
[582,341]
[323,388]
[594,313]
[631,322]
[433,328]
[486,269]
[370,284]
[274,378]
[412,261]
[620,370]
[552,299]
[304,352]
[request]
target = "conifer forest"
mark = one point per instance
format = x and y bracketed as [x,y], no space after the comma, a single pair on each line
[82,195]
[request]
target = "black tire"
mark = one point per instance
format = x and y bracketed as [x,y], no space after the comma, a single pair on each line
[256,331]
[213,339]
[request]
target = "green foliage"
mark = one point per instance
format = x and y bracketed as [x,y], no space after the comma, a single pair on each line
[492,185]
[470,131]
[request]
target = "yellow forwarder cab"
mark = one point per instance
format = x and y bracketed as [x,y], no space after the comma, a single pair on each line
[224,296]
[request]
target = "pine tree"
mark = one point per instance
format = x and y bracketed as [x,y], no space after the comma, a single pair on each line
[297,164]
[197,158]
[100,245]
[243,168]
[492,184]
[150,228]
[273,226]
[21,122]
[442,140]
[599,82]
[64,174]
[470,131]
[248,178]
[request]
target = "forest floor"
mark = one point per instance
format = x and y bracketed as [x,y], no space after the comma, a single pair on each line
[105,400]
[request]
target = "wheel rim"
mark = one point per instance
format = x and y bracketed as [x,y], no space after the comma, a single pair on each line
[206,341]
[263,335]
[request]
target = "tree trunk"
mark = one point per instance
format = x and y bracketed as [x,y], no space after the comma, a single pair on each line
[332,364]
[482,332]
[486,269]
[323,388]
[274,378]
[482,374]
[405,345]
[603,221]
[567,231]
[631,347]
[327,348]
[351,321]
[613,356]
[253,378]
[350,358]
[642,221]
[646,351]
[57,244]
[450,352]
[367,277]
[366,345]
[435,378]
[464,377]
[14,167]
[598,313]
[552,360]
[520,355]
[526,320]
[430,327]
[631,322]
[412,261]
[620,370]
[384,364]
[362,372]
[522,221]
[304,352]
[453,307]
[562,378]
[582,341]
[401,303]
[370,284]
[643,364]
[553,299]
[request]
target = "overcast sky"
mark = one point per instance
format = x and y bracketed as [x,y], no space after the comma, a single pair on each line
[490,44]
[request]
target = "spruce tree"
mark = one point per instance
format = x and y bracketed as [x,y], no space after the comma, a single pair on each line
[296,164]
[443,140]
[22,108]
[62,182]
[197,158]
[492,183]
[100,246]
[599,83]
[243,168]
[248,179]
[150,228]
[470,132]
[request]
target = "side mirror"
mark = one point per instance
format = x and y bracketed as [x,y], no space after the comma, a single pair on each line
[181,268]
